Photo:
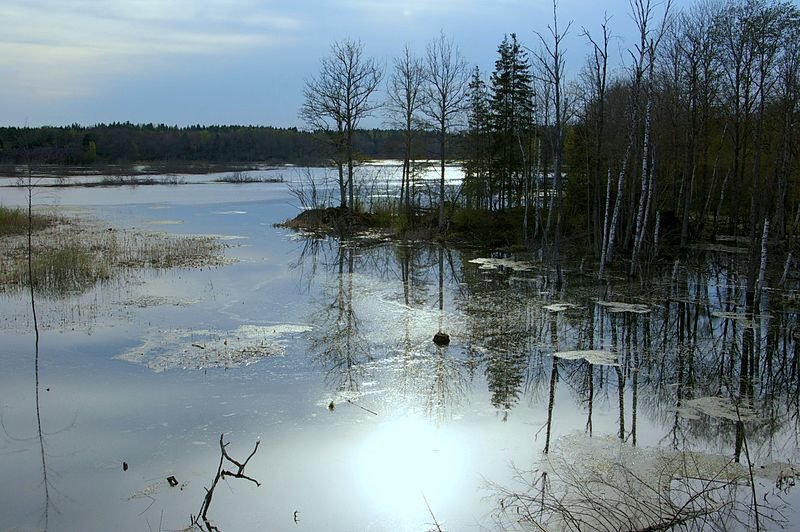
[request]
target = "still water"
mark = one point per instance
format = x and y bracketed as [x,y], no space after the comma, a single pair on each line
[322,351]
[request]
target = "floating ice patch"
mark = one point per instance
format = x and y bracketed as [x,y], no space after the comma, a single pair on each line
[592,356]
[163,222]
[199,349]
[721,248]
[718,407]
[219,237]
[158,301]
[487,263]
[559,307]
[618,306]
[744,319]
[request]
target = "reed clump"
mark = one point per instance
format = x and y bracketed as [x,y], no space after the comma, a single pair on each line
[14,221]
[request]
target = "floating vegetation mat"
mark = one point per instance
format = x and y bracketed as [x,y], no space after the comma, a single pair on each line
[201,349]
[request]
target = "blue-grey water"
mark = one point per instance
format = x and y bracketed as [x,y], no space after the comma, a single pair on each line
[150,368]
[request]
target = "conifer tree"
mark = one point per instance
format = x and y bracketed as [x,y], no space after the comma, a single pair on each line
[511,120]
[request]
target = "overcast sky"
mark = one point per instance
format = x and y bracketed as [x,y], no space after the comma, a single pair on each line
[239,61]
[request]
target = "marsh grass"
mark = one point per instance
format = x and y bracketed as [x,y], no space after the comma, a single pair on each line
[244,177]
[14,221]
[71,269]
[135,180]
[71,256]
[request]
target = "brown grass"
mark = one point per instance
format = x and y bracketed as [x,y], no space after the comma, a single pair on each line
[14,221]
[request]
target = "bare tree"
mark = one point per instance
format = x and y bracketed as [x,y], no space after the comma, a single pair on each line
[445,91]
[405,101]
[642,73]
[643,11]
[597,74]
[338,98]
[551,60]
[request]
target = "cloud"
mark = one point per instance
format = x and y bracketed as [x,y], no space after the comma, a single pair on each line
[56,49]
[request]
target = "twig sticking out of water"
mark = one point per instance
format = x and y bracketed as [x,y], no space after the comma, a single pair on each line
[202,514]
[749,467]
[364,408]
[435,522]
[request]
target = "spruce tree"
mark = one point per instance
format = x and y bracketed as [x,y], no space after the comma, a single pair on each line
[511,109]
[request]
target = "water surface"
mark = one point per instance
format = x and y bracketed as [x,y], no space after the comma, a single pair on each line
[363,422]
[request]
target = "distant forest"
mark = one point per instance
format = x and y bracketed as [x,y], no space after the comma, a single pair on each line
[120,143]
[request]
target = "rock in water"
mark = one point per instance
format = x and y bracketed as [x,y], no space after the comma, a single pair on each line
[441,338]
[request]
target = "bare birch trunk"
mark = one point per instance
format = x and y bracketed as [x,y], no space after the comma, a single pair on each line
[605,223]
[786,266]
[644,198]
[762,270]
[612,228]
[656,233]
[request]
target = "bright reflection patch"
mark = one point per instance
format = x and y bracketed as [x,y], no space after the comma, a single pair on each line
[408,460]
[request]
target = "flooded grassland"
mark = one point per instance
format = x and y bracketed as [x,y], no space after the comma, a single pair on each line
[599,405]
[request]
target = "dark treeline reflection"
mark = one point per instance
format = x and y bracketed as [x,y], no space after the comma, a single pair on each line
[684,354]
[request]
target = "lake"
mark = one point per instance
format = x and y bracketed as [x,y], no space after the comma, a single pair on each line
[322,352]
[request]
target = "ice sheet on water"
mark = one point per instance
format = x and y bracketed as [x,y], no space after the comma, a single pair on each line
[559,307]
[489,263]
[618,306]
[598,357]
[746,320]
[157,301]
[719,407]
[164,349]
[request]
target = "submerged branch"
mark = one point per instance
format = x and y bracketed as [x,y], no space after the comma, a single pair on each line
[202,514]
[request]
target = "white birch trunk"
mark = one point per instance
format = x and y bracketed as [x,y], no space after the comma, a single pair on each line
[786,266]
[605,223]
[656,233]
[762,270]
[644,198]
[612,228]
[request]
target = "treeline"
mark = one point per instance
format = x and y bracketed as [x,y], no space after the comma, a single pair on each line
[696,137]
[120,143]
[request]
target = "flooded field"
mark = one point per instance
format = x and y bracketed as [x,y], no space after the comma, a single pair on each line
[603,405]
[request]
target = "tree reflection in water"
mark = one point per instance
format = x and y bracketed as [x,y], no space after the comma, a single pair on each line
[683,340]
[342,348]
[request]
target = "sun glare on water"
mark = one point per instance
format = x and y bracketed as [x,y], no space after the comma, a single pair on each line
[408,461]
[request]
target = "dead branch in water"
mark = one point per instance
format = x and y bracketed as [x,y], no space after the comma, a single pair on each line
[202,514]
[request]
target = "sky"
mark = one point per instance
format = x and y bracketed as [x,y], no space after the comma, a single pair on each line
[184,62]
